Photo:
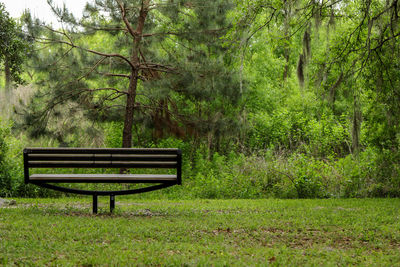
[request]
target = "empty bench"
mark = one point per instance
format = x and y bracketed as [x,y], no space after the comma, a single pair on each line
[106,158]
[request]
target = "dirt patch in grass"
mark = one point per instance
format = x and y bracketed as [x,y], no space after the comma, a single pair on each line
[6,203]
[296,238]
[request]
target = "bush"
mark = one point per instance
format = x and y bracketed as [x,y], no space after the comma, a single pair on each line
[262,174]
[12,169]
[307,187]
[299,131]
[6,183]
[375,173]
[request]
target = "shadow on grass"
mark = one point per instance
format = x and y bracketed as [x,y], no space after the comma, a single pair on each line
[85,210]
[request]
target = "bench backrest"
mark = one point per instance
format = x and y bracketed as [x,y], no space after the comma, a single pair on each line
[168,158]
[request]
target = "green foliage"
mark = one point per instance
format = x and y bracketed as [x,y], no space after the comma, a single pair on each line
[14,47]
[300,126]
[6,186]
[11,165]
[174,80]
[373,174]
[12,169]
[113,134]
[236,175]
[306,187]
[287,99]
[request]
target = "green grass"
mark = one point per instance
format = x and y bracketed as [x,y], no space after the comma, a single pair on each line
[201,232]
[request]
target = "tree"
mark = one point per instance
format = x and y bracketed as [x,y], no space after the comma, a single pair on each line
[165,58]
[349,68]
[13,48]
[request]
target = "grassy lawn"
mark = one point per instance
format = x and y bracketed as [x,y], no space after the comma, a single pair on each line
[201,232]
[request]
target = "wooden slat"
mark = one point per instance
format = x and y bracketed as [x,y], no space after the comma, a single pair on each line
[163,151]
[101,157]
[103,177]
[154,157]
[171,156]
[91,164]
[34,162]
[59,155]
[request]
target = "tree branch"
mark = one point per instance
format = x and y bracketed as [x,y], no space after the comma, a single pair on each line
[103,89]
[126,22]
[114,74]
[92,68]
[47,40]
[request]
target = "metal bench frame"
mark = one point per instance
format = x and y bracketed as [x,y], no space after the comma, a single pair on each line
[125,158]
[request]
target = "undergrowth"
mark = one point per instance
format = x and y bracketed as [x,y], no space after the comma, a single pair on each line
[261,174]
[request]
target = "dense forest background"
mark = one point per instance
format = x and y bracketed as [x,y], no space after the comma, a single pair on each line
[266,98]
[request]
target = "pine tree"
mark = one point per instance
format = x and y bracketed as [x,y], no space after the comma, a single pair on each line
[154,63]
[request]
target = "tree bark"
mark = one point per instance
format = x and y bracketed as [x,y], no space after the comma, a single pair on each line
[286,49]
[129,110]
[134,77]
[356,129]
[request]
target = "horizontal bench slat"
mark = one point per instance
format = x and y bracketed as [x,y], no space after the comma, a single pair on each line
[102,177]
[163,151]
[96,157]
[31,155]
[91,164]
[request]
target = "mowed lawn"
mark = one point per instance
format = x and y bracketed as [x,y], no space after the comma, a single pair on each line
[201,232]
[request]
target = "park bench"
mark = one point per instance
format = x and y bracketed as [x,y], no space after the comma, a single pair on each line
[106,158]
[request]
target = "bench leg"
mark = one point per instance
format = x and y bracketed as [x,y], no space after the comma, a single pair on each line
[112,203]
[94,204]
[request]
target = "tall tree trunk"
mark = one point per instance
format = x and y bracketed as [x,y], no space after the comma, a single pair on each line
[134,77]
[286,49]
[129,109]
[356,127]
[7,75]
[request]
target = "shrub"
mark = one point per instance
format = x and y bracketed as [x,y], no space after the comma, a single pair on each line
[6,185]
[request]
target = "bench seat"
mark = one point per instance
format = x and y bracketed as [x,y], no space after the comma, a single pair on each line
[104,177]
